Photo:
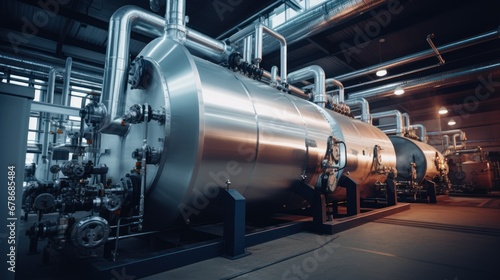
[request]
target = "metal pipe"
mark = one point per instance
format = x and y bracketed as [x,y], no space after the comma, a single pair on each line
[463,137]
[334,82]
[364,107]
[406,119]
[441,79]
[260,29]
[322,17]
[274,75]
[481,38]
[422,129]
[392,113]
[175,26]
[293,90]
[67,79]
[436,51]
[446,142]
[316,72]
[247,49]
[117,55]
[204,46]
[33,66]
[45,142]
[455,146]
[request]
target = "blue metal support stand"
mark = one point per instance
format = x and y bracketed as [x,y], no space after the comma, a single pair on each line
[234,224]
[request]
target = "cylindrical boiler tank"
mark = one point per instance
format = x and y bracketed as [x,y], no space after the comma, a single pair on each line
[418,160]
[470,170]
[222,126]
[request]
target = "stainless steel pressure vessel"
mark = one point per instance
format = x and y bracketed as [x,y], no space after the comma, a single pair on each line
[223,128]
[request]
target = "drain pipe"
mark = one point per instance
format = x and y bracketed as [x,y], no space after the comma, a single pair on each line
[364,107]
[399,121]
[316,72]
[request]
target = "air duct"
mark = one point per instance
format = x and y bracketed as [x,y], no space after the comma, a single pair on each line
[320,18]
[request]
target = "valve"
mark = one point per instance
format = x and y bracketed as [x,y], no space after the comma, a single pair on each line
[152,155]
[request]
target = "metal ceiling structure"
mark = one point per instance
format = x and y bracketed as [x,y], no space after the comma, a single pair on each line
[349,39]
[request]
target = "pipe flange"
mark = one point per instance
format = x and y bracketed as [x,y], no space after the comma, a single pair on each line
[90,232]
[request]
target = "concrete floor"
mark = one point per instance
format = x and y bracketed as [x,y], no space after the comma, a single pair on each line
[457,239]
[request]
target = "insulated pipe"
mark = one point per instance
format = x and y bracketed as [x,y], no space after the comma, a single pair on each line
[117,55]
[422,129]
[441,79]
[45,144]
[67,79]
[364,106]
[495,34]
[247,49]
[175,26]
[322,17]
[316,72]
[334,82]
[202,45]
[446,142]
[406,119]
[455,146]
[392,113]
[463,137]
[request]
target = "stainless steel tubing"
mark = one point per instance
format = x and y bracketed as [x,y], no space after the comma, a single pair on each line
[392,113]
[364,107]
[316,72]
[335,82]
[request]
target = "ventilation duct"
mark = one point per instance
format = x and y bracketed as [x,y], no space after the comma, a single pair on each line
[320,18]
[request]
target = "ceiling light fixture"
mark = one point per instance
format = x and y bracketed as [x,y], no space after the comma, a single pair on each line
[452,122]
[399,90]
[443,111]
[380,72]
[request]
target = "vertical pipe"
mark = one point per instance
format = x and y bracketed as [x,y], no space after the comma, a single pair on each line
[67,78]
[334,82]
[365,108]
[175,15]
[247,49]
[392,113]
[316,72]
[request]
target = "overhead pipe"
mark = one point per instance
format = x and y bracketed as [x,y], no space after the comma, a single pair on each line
[318,74]
[292,89]
[481,38]
[463,136]
[441,79]
[201,45]
[399,120]
[364,107]
[433,47]
[322,17]
[40,67]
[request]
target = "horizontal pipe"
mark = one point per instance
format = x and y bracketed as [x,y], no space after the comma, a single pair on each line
[364,107]
[207,47]
[481,38]
[441,79]
[54,109]
[392,113]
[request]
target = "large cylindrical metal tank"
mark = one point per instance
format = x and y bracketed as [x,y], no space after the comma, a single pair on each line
[223,126]
[429,163]
[470,170]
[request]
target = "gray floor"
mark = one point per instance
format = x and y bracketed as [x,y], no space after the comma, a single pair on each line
[457,239]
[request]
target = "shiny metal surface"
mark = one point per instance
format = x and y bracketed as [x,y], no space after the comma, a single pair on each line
[470,169]
[222,126]
[422,154]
